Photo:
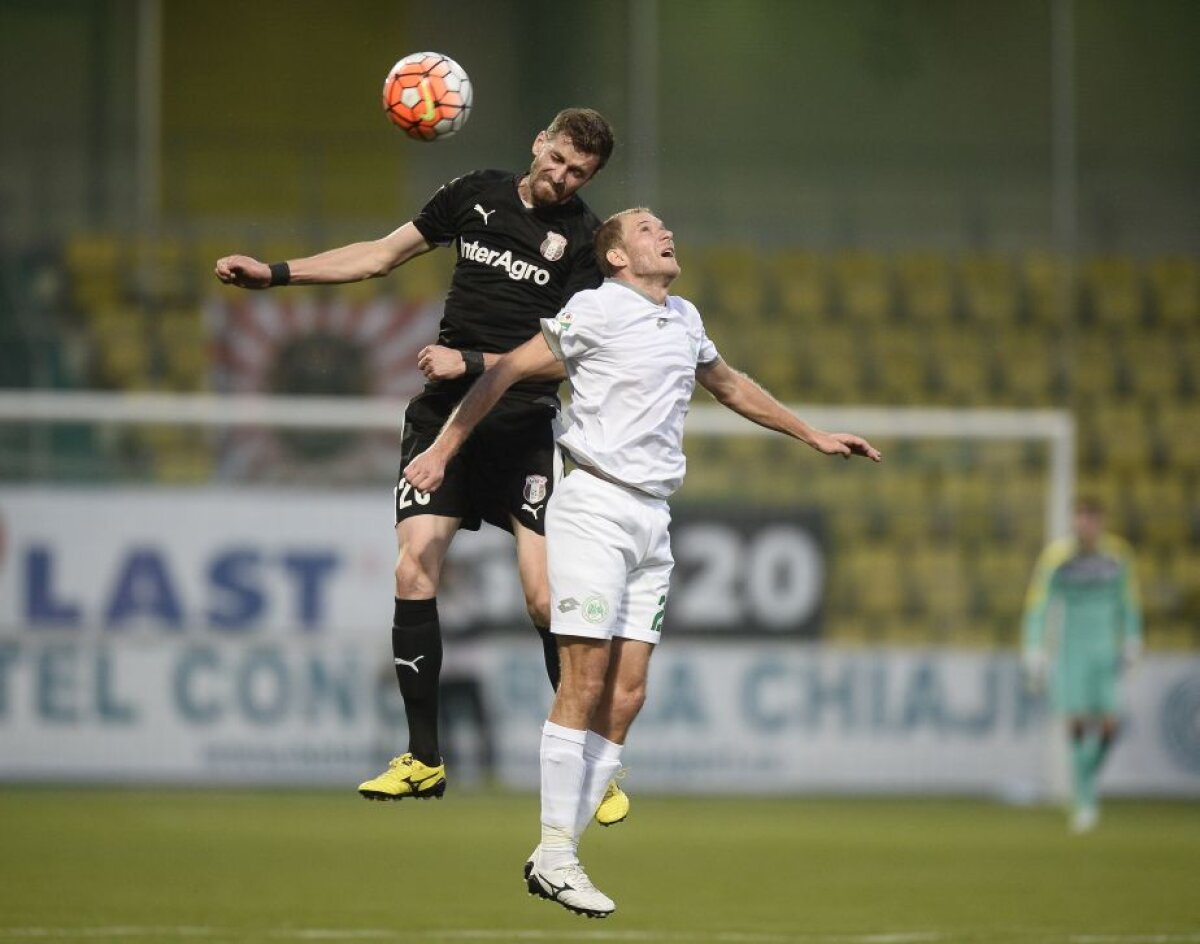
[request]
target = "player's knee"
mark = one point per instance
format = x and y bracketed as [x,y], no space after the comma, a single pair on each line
[416,574]
[628,699]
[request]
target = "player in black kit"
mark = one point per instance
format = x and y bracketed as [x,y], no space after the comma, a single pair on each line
[524,244]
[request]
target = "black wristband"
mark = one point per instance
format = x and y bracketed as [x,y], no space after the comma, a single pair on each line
[281,273]
[474,363]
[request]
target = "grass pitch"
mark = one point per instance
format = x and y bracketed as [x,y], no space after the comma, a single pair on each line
[220,866]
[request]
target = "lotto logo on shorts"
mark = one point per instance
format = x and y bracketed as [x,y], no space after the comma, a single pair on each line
[595,609]
[535,488]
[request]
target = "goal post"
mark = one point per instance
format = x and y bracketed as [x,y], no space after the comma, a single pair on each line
[1054,428]
[902,568]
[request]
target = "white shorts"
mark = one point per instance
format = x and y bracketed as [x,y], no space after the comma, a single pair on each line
[608,550]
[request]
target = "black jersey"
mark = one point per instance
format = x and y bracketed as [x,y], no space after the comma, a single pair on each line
[516,264]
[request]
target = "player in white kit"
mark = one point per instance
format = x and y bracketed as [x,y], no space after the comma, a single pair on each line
[632,354]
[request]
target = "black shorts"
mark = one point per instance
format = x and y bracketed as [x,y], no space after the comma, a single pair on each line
[504,470]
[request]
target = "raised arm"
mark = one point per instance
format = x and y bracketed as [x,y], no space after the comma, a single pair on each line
[352,263]
[532,359]
[735,390]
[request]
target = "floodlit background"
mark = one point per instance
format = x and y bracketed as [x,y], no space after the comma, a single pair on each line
[975,225]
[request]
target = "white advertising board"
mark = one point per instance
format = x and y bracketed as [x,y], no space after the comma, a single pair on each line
[243,637]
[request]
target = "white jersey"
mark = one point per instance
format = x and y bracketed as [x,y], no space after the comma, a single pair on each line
[632,367]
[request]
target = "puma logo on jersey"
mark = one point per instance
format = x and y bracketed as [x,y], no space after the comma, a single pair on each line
[484,213]
[517,269]
[533,511]
[412,665]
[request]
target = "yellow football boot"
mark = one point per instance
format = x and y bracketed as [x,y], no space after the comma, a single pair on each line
[407,777]
[615,805]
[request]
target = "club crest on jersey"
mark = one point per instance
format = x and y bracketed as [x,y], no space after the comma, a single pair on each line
[553,246]
[535,489]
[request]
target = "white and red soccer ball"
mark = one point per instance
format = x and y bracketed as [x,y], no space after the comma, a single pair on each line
[427,95]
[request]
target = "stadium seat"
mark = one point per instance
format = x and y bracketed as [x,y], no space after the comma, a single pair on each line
[1112,291]
[184,348]
[1003,574]
[939,582]
[1092,366]
[899,369]
[1148,366]
[1028,364]
[1161,509]
[1175,291]
[96,263]
[737,283]
[1049,292]
[963,368]
[863,287]
[875,580]
[1179,440]
[926,287]
[990,289]
[834,365]
[1119,431]
[802,285]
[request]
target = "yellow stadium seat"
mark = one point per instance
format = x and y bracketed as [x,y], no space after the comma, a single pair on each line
[1121,432]
[926,286]
[876,581]
[899,371]
[1003,574]
[962,366]
[1050,290]
[801,284]
[1092,367]
[184,347]
[1175,290]
[990,289]
[835,365]
[1149,365]
[940,583]
[863,286]
[1113,291]
[1179,434]
[1161,509]
[1028,363]
[736,281]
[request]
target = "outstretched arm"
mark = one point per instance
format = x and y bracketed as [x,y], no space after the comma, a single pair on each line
[531,359]
[353,263]
[739,393]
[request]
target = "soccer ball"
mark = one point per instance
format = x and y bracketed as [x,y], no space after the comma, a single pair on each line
[427,95]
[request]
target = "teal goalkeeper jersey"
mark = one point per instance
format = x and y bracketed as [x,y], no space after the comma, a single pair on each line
[1092,597]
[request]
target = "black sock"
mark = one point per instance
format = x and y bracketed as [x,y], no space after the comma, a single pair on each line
[550,654]
[417,649]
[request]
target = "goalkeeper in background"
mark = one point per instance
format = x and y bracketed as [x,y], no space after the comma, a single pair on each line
[1084,591]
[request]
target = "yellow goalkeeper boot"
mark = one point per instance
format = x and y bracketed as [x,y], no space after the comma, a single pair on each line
[406,777]
[615,805]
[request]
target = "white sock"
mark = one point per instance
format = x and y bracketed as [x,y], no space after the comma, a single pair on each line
[562,783]
[602,758]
